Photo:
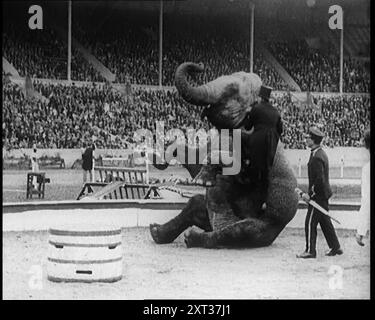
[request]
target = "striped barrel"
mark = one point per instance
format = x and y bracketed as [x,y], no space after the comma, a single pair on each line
[84,254]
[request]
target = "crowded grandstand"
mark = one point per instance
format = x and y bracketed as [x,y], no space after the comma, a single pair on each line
[54,113]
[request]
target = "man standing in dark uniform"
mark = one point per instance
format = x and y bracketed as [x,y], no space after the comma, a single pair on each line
[87,161]
[259,152]
[319,191]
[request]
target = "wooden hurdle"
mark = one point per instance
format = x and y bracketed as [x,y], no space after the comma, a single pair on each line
[120,183]
[117,162]
[41,184]
[119,190]
[89,188]
[130,175]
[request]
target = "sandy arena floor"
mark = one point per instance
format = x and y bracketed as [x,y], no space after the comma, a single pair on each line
[172,271]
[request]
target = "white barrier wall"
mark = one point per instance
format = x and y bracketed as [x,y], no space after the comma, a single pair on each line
[69,155]
[355,157]
[351,156]
[134,217]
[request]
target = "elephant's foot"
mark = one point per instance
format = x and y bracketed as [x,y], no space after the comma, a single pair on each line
[194,213]
[160,235]
[194,239]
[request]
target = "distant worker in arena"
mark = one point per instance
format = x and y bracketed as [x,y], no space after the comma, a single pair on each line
[88,161]
[364,211]
[319,191]
[34,164]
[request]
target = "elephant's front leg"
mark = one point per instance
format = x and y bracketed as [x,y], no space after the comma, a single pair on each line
[194,213]
[249,232]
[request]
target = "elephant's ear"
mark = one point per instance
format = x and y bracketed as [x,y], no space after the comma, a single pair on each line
[227,112]
[229,92]
[228,115]
[234,110]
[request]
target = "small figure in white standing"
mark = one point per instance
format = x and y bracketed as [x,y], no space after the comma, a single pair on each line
[34,164]
[364,211]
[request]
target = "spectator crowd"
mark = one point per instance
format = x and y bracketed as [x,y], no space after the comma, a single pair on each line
[318,72]
[128,45]
[72,115]
[40,54]
[129,48]
[342,118]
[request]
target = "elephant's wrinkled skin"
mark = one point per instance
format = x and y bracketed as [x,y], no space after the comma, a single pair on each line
[231,214]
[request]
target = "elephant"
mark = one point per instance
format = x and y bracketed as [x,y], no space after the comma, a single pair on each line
[230,213]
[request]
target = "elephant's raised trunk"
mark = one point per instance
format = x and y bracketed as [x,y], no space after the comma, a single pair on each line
[200,96]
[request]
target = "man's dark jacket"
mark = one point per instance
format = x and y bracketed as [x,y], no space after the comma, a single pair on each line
[87,158]
[268,127]
[318,171]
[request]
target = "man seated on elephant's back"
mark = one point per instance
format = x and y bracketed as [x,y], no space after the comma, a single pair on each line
[265,122]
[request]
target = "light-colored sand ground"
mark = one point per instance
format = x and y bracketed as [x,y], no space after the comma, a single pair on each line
[172,271]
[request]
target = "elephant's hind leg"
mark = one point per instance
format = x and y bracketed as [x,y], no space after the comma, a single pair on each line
[250,232]
[194,213]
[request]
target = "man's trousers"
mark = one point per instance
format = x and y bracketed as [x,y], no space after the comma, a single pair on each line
[313,217]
